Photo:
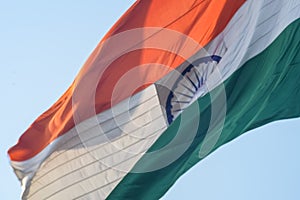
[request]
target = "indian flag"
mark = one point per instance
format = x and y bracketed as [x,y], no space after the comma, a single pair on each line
[169,83]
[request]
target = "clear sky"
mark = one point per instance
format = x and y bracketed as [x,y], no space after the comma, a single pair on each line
[43,44]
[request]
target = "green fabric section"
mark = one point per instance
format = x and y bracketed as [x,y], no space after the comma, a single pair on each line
[265,89]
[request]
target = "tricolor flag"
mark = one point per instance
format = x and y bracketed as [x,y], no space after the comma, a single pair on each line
[170,83]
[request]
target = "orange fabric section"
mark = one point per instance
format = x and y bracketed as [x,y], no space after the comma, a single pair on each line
[127,60]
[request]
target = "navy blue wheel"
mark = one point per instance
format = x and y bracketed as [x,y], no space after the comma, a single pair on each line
[188,84]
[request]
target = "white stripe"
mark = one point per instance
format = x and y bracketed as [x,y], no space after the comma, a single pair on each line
[254,27]
[99,156]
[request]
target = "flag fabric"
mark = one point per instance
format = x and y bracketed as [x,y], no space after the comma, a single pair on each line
[168,84]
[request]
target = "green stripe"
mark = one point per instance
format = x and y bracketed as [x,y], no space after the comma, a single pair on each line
[265,89]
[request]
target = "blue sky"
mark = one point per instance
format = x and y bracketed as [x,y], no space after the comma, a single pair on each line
[43,44]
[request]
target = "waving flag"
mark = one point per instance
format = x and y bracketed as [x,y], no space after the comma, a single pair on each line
[170,82]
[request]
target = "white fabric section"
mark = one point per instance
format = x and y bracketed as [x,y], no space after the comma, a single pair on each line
[253,28]
[99,152]
[96,160]
[25,170]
